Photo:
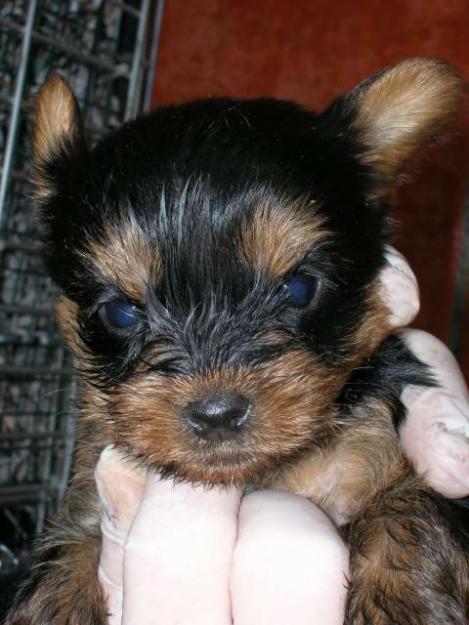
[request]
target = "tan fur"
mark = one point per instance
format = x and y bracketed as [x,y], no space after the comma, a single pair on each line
[66,313]
[344,478]
[405,564]
[404,109]
[93,400]
[374,327]
[124,258]
[146,414]
[274,240]
[56,121]
[64,591]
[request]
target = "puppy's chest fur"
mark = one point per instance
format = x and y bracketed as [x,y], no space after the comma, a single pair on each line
[364,456]
[345,476]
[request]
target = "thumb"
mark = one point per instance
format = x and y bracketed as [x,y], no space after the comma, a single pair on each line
[120,488]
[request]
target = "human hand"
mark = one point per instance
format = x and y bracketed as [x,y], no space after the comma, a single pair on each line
[435,432]
[176,553]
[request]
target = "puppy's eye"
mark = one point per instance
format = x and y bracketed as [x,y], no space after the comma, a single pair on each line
[301,288]
[119,315]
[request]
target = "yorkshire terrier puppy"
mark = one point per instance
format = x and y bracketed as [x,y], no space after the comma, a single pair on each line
[219,265]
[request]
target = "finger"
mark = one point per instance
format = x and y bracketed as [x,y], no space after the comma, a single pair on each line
[120,488]
[435,433]
[289,565]
[178,555]
[399,289]
[434,353]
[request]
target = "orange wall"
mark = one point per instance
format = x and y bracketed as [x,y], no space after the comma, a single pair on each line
[313,50]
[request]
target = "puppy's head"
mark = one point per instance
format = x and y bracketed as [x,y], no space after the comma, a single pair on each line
[219,261]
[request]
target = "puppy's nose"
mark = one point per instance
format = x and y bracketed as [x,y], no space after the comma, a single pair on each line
[218,417]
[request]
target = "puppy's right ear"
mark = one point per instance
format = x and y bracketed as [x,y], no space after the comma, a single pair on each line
[395,113]
[58,132]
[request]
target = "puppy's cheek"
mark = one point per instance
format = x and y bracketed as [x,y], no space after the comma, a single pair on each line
[374,326]
[66,314]
[144,417]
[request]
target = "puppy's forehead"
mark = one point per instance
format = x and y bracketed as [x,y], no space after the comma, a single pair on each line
[267,236]
[277,236]
[204,182]
[126,258]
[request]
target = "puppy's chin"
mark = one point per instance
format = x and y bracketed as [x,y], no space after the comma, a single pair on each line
[223,464]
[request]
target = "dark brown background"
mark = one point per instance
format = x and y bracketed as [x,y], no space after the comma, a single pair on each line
[313,50]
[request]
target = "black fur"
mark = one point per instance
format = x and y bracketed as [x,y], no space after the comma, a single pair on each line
[191,174]
[383,376]
[188,179]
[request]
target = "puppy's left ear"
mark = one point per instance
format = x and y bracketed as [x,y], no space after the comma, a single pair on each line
[58,132]
[400,110]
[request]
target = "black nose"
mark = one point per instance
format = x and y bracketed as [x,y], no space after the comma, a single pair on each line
[218,417]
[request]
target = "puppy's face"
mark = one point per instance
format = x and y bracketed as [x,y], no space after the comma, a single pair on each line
[219,262]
